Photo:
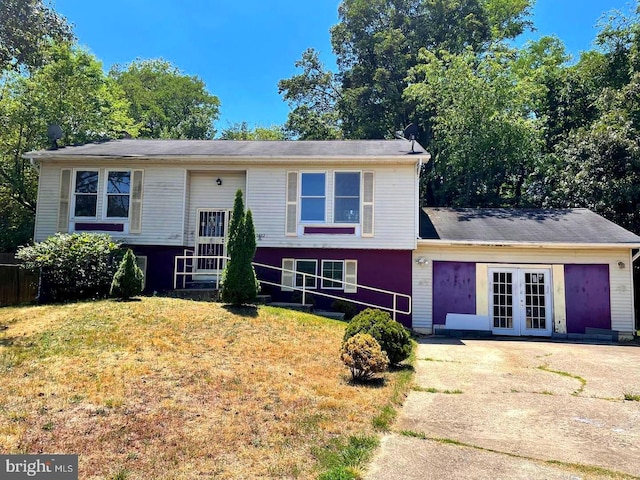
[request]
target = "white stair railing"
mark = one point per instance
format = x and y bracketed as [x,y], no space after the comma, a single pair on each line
[396,297]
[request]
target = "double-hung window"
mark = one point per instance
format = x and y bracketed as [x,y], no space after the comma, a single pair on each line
[309,267]
[117,193]
[347,197]
[333,274]
[85,193]
[313,197]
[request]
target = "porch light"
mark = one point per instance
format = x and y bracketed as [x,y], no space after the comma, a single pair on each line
[422,261]
[621,265]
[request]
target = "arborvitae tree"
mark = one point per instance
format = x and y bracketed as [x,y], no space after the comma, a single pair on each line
[127,282]
[239,284]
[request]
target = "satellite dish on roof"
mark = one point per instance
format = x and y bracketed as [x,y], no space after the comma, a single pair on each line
[411,133]
[54,133]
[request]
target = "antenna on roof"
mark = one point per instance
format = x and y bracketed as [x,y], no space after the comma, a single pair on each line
[54,133]
[411,133]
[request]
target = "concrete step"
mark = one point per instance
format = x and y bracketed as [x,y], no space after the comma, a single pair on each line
[293,306]
[333,315]
[457,333]
[199,294]
[263,299]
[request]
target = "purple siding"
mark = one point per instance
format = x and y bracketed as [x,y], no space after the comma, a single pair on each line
[99,227]
[587,297]
[160,261]
[384,269]
[330,230]
[454,289]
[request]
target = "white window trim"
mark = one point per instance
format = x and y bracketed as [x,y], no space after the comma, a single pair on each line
[315,279]
[72,213]
[333,197]
[341,281]
[300,197]
[105,194]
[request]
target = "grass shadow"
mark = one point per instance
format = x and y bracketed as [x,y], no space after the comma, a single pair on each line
[242,310]
[126,300]
[403,367]
[375,382]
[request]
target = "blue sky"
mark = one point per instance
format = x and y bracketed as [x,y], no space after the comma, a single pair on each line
[242,48]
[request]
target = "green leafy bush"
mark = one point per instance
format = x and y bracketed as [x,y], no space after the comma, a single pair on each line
[343,306]
[72,266]
[394,339]
[127,282]
[364,357]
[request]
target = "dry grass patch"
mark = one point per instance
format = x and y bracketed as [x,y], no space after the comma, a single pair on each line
[173,389]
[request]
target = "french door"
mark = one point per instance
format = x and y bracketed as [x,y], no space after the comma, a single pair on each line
[212,228]
[520,300]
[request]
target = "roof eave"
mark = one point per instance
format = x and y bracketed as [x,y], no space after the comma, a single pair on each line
[400,159]
[500,243]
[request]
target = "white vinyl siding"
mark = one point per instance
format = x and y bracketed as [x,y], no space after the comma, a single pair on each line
[65,200]
[620,279]
[394,216]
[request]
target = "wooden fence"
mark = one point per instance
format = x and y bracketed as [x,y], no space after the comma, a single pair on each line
[16,285]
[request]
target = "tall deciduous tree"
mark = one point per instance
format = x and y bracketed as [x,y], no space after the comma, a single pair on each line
[165,102]
[72,91]
[376,43]
[242,131]
[27,27]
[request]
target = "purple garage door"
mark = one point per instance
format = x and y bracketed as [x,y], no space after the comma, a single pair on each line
[587,297]
[454,289]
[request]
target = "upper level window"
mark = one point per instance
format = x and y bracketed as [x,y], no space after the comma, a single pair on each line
[86,193]
[347,197]
[118,189]
[312,197]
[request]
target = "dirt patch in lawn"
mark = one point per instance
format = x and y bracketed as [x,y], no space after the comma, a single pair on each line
[173,389]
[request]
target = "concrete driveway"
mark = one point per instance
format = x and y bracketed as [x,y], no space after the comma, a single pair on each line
[511,409]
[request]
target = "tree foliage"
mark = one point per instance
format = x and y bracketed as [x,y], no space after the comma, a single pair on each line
[242,131]
[239,282]
[128,279]
[165,102]
[27,27]
[72,266]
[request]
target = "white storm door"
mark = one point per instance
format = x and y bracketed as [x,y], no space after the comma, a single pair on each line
[504,301]
[535,302]
[520,300]
[211,240]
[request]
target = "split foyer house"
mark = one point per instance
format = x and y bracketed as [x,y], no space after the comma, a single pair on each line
[341,219]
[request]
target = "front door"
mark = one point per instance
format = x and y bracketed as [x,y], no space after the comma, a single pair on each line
[520,301]
[211,241]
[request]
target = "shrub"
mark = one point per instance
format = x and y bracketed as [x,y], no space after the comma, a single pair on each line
[393,338]
[364,357]
[127,282]
[239,283]
[72,266]
[343,306]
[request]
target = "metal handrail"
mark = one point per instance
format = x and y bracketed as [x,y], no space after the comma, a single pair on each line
[304,289]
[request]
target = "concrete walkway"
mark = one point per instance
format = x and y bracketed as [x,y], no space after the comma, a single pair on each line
[500,409]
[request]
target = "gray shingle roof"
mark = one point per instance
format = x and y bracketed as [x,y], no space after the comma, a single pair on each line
[578,225]
[236,148]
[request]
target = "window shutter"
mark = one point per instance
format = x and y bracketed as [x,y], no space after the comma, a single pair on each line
[135,213]
[350,275]
[64,200]
[292,204]
[367,204]
[288,277]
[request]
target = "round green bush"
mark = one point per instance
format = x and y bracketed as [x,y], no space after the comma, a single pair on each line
[364,357]
[393,338]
